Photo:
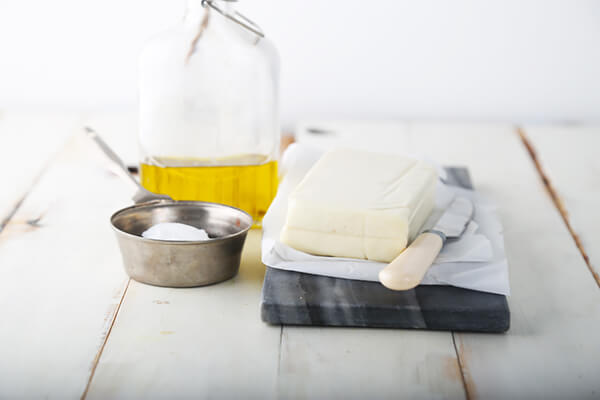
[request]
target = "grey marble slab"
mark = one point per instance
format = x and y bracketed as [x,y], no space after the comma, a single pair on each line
[294,298]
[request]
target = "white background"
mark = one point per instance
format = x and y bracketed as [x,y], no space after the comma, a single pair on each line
[522,61]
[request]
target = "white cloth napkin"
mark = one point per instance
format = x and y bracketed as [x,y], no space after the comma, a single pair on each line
[474,261]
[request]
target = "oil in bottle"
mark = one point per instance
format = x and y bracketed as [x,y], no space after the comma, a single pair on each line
[247,182]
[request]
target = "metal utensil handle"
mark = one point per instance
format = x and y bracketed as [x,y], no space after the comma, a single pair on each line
[110,154]
[142,194]
[239,19]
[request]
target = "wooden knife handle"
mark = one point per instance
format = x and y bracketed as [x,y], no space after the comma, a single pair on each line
[408,269]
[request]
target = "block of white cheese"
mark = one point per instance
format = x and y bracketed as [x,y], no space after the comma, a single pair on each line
[359,204]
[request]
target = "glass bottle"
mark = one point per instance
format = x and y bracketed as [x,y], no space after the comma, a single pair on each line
[208,109]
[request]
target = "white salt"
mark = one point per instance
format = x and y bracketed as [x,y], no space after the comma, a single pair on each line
[175,231]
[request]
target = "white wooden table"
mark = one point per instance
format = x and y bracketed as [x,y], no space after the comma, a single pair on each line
[73,325]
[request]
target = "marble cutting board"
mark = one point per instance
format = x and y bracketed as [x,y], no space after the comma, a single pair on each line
[294,298]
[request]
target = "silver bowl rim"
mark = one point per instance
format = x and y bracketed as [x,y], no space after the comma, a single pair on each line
[180,242]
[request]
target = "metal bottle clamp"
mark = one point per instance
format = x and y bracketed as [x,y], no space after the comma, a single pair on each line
[237,18]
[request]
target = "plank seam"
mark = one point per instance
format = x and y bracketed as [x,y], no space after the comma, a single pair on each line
[14,210]
[464,372]
[558,203]
[101,350]
[6,220]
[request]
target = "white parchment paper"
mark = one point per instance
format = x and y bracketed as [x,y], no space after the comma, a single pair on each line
[475,261]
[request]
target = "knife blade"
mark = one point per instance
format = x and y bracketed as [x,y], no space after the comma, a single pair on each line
[455,219]
[408,269]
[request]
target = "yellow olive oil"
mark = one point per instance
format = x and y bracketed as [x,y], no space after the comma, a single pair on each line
[245,183]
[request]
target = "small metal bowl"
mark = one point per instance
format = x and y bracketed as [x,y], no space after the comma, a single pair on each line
[181,263]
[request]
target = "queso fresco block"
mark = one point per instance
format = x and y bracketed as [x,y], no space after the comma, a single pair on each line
[359,204]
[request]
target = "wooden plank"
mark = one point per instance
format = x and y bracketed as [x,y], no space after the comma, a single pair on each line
[365,363]
[204,342]
[551,350]
[568,156]
[61,276]
[27,142]
[354,363]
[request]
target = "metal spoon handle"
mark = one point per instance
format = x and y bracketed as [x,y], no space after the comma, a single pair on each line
[142,194]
